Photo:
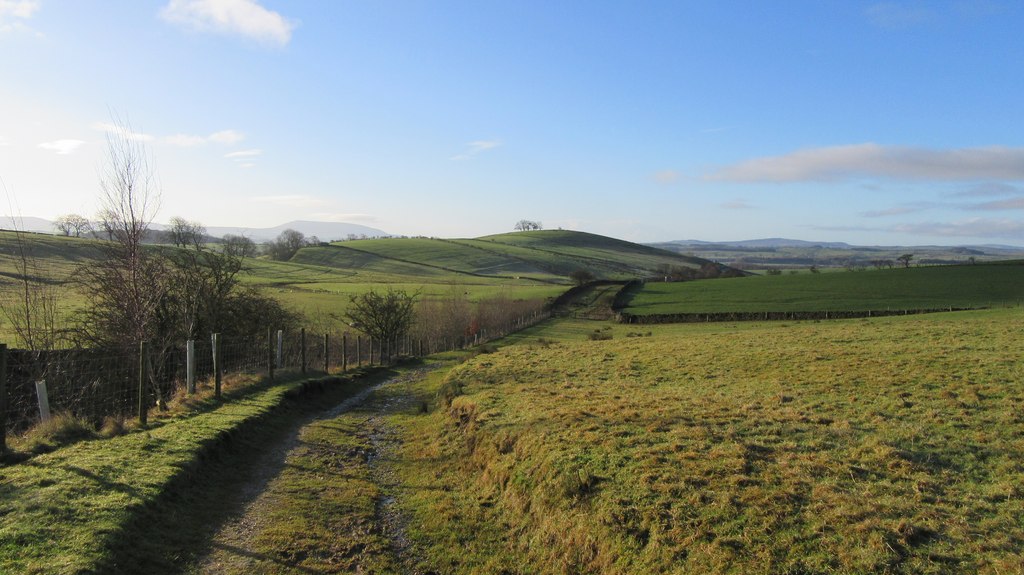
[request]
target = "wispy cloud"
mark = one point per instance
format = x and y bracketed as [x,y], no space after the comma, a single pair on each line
[474,148]
[899,210]
[737,205]
[4,142]
[988,189]
[342,217]
[897,15]
[62,147]
[873,160]
[14,14]
[244,154]
[246,18]
[226,137]
[666,176]
[122,131]
[1010,204]
[294,200]
[1005,229]
[974,227]
[244,158]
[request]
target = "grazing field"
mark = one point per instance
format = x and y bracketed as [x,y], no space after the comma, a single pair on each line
[886,445]
[911,288]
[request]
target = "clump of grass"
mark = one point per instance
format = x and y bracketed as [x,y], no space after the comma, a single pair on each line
[600,335]
[113,426]
[62,429]
[449,390]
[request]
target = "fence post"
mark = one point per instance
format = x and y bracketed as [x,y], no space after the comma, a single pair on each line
[344,352]
[359,351]
[327,353]
[270,352]
[280,348]
[217,365]
[143,376]
[302,342]
[3,398]
[190,366]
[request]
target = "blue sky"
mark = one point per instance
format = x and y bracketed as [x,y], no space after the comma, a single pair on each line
[867,122]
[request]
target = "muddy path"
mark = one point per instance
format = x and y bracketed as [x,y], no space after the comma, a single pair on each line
[323,498]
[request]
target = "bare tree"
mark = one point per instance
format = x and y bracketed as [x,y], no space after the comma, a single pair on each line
[905,259]
[186,234]
[73,225]
[527,225]
[286,245]
[239,246]
[125,288]
[384,317]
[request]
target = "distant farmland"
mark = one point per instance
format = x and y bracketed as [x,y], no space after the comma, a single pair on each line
[896,289]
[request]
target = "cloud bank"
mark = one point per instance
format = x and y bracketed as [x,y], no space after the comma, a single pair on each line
[876,161]
[246,18]
[14,13]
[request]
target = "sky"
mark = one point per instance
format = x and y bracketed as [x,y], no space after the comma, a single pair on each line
[873,123]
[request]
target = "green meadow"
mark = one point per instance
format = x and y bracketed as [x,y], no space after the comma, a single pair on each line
[880,445]
[936,287]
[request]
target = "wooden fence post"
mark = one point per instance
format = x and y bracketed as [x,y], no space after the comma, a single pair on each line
[3,398]
[280,349]
[217,364]
[270,352]
[327,353]
[190,366]
[143,377]
[359,351]
[344,352]
[302,343]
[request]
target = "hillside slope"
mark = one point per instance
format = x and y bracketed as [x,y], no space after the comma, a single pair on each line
[546,256]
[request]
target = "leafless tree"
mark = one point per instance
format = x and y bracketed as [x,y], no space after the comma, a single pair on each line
[286,245]
[527,225]
[186,234]
[383,316]
[239,246]
[73,225]
[125,288]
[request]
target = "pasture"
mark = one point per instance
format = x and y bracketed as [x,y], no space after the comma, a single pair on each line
[884,445]
[936,287]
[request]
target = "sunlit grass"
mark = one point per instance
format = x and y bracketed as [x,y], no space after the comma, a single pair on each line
[858,446]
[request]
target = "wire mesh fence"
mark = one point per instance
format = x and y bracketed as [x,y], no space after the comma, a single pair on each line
[94,384]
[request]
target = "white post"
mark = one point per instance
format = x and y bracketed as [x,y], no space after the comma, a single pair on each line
[280,348]
[44,400]
[190,366]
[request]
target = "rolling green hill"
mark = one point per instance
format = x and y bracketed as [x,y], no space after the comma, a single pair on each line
[543,256]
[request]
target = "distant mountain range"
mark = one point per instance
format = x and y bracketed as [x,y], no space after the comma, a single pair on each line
[326,231]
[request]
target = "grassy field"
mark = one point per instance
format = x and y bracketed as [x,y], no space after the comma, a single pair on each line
[911,288]
[885,446]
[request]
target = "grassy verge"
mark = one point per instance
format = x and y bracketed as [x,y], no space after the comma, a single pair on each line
[887,445]
[138,502]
